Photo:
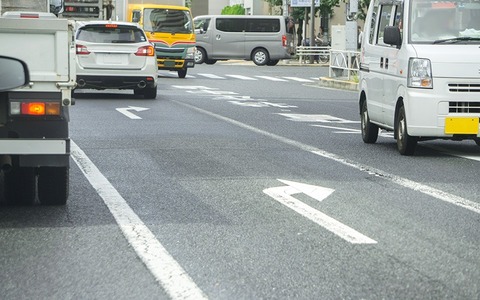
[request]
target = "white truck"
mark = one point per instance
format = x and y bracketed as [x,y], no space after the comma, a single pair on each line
[34,134]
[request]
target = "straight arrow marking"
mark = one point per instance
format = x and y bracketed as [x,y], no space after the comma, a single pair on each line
[283,194]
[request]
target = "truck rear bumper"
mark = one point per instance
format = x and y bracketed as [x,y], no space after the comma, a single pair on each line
[34,146]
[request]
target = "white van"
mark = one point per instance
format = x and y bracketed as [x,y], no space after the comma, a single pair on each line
[263,39]
[420,71]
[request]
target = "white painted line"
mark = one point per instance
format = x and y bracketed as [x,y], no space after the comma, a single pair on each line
[272,78]
[453,153]
[241,77]
[213,76]
[161,264]
[298,79]
[422,188]
[282,195]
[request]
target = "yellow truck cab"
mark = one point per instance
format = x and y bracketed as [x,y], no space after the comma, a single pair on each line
[170,29]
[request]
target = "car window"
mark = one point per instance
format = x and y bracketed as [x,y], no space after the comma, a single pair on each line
[111,33]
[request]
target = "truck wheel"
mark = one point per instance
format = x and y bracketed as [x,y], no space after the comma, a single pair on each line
[19,186]
[405,143]
[260,57]
[182,73]
[369,130]
[53,185]
[150,92]
[200,56]
[477,141]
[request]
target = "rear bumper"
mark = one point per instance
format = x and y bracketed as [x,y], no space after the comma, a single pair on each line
[114,82]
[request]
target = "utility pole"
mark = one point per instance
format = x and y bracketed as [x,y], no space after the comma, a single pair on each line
[312,28]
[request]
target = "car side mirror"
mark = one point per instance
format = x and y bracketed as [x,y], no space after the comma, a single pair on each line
[392,36]
[13,73]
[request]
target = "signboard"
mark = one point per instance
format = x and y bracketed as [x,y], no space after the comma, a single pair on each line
[304,3]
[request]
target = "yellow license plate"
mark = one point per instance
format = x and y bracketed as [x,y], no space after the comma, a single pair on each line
[461,125]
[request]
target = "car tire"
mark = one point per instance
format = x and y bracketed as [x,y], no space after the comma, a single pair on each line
[200,56]
[150,92]
[406,144]
[53,185]
[273,62]
[182,73]
[260,57]
[210,61]
[369,130]
[19,186]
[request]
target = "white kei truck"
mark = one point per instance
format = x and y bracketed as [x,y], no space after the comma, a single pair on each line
[34,132]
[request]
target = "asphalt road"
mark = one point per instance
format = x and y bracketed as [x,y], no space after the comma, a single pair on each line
[246,182]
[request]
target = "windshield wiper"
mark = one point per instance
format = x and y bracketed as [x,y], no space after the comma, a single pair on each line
[457,39]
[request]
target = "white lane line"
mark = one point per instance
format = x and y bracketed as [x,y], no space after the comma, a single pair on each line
[475,157]
[298,79]
[241,77]
[161,264]
[422,188]
[272,78]
[213,76]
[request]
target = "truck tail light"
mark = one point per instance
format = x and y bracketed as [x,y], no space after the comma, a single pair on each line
[145,51]
[35,108]
[82,50]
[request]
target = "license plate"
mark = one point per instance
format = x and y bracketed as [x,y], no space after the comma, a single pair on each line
[114,59]
[461,125]
[169,63]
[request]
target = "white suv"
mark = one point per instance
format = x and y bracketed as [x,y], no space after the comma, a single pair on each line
[115,55]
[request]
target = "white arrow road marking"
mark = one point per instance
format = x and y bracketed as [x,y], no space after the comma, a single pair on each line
[166,270]
[283,195]
[126,112]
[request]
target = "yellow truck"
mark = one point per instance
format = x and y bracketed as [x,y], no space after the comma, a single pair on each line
[170,28]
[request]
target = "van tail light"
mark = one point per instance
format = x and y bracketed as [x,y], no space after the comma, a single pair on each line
[82,50]
[145,51]
[284,40]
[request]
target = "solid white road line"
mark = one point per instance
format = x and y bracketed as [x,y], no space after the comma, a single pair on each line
[241,77]
[416,186]
[298,79]
[213,76]
[272,78]
[171,276]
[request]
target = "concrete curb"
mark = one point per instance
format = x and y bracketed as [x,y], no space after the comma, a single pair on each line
[338,84]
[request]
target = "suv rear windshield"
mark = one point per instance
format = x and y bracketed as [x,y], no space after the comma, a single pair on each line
[111,33]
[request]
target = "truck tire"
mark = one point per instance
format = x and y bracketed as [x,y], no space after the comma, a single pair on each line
[406,144]
[182,73]
[53,185]
[19,186]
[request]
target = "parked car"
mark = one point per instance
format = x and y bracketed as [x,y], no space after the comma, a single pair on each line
[115,55]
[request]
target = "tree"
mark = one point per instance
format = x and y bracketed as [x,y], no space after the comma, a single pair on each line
[236,9]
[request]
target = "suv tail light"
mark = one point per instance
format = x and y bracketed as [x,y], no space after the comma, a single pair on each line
[145,51]
[82,50]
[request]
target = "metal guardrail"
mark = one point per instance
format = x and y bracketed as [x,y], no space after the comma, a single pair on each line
[344,63]
[319,53]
